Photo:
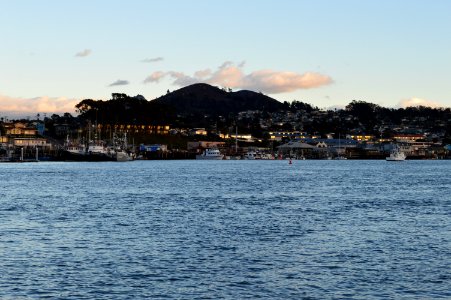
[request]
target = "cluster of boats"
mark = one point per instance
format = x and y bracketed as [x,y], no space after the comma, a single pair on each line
[97,151]
[212,153]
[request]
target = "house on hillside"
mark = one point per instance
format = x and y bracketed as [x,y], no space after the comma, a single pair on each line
[280,135]
[19,129]
[402,137]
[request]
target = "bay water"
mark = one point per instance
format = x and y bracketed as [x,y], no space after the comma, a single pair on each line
[225,230]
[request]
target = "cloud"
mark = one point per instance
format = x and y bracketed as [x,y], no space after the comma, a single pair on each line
[152,60]
[119,82]
[83,53]
[418,102]
[274,82]
[155,77]
[12,106]
[202,73]
[231,75]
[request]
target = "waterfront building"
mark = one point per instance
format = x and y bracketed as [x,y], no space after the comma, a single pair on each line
[204,145]
[135,128]
[296,149]
[30,142]
[362,137]
[19,129]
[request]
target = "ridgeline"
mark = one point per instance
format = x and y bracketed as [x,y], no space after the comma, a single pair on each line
[204,99]
[217,110]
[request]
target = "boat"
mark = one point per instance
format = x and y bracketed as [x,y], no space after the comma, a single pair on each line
[266,156]
[340,158]
[99,152]
[74,151]
[339,150]
[396,155]
[250,155]
[122,155]
[95,151]
[210,153]
[118,151]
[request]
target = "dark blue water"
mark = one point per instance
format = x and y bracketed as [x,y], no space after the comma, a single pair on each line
[226,229]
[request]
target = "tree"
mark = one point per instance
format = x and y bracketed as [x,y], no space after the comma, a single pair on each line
[365,112]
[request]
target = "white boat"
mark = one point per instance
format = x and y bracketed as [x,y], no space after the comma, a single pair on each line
[99,152]
[396,155]
[76,149]
[118,150]
[121,155]
[267,156]
[250,155]
[210,153]
[340,158]
[73,150]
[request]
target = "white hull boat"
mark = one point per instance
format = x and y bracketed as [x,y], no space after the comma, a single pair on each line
[210,154]
[396,155]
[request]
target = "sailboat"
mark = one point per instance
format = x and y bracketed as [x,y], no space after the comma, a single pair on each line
[340,157]
[118,152]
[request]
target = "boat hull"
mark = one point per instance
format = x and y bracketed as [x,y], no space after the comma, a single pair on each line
[394,159]
[70,156]
[209,157]
[123,156]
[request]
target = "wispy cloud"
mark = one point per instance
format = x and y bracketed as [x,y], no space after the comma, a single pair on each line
[155,77]
[83,53]
[119,82]
[152,60]
[201,74]
[23,106]
[418,102]
[232,75]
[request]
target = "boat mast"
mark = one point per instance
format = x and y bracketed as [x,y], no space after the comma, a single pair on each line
[236,139]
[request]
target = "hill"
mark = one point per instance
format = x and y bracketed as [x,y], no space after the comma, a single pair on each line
[203,98]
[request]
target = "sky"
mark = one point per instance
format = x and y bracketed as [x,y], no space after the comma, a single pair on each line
[54,53]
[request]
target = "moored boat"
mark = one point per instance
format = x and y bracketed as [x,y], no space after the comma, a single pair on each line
[210,153]
[121,155]
[250,155]
[396,155]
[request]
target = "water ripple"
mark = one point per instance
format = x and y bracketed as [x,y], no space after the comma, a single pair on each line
[227,229]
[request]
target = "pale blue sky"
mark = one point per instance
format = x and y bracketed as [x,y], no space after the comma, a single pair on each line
[383,52]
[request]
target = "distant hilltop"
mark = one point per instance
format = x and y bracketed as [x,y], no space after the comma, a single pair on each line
[193,102]
[202,98]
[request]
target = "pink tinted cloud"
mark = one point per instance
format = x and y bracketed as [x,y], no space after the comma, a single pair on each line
[202,73]
[232,76]
[274,82]
[155,77]
[22,106]
[229,76]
